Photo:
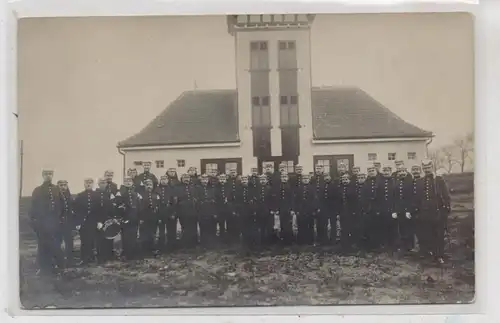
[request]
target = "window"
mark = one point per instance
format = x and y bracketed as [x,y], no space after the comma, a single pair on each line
[325,163]
[412,155]
[211,167]
[261,112]
[372,156]
[289,111]
[344,161]
[259,56]
[181,163]
[266,165]
[391,156]
[160,164]
[230,166]
[287,55]
[138,163]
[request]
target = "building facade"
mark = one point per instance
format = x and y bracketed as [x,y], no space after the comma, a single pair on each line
[274,115]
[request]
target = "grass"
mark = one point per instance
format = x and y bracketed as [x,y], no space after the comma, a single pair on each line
[293,276]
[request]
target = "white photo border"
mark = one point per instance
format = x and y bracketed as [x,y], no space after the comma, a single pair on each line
[487,99]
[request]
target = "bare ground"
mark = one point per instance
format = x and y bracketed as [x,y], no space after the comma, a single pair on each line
[278,276]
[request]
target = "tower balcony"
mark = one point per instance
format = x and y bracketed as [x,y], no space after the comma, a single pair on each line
[267,21]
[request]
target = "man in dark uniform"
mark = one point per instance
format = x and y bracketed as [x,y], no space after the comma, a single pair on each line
[284,208]
[253,179]
[296,178]
[306,206]
[106,210]
[245,211]
[111,187]
[385,207]
[372,224]
[434,208]
[173,179]
[148,218]
[68,221]
[416,174]
[141,178]
[233,227]
[89,216]
[347,212]
[341,170]
[136,181]
[318,182]
[167,220]
[359,203]
[264,212]
[213,178]
[378,168]
[207,212]
[271,175]
[397,164]
[223,197]
[326,196]
[404,205]
[187,207]
[355,171]
[128,202]
[193,176]
[45,215]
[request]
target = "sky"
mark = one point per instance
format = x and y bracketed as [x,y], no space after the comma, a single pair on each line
[87,83]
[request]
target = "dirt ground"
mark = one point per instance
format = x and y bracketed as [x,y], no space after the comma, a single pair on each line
[294,276]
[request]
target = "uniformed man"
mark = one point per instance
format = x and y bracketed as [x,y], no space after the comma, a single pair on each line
[149,217]
[141,178]
[128,205]
[228,225]
[416,173]
[264,211]
[136,180]
[404,205]
[347,212]
[167,219]
[434,208]
[326,196]
[284,208]
[306,207]
[245,211]
[359,204]
[207,212]
[296,178]
[355,171]
[91,220]
[385,207]
[271,176]
[111,187]
[318,182]
[187,201]
[173,179]
[341,170]
[45,214]
[68,221]
[193,176]
[106,210]
[253,178]
[378,168]
[213,178]
[397,164]
[372,224]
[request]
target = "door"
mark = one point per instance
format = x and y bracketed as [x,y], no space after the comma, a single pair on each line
[330,163]
[222,165]
[275,163]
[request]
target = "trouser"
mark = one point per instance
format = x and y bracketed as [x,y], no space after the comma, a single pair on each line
[234,226]
[147,234]
[129,240]
[431,233]
[305,227]
[104,247]
[347,228]
[171,226]
[222,217]
[161,227]
[334,226]
[189,225]
[375,229]
[88,237]
[265,224]
[249,228]
[49,253]
[321,219]
[286,223]
[405,232]
[66,236]
[208,229]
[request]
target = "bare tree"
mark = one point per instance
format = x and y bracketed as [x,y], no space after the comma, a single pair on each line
[465,148]
[447,159]
[434,156]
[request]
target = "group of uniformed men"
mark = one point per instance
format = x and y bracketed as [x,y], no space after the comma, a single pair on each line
[379,209]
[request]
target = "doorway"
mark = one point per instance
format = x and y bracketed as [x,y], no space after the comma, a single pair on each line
[330,163]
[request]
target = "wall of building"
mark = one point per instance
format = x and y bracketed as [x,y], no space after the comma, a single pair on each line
[191,156]
[360,150]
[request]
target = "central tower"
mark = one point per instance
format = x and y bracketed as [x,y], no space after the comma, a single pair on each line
[273,77]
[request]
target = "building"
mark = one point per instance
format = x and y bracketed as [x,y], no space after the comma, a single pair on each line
[275,114]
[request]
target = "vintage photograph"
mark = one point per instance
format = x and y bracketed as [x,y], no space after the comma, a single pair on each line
[246,160]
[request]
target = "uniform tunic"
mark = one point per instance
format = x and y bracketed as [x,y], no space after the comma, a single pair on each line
[404,202]
[167,224]
[187,201]
[149,216]
[306,206]
[284,205]
[207,214]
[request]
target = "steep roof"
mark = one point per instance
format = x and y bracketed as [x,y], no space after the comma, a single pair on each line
[210,116]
